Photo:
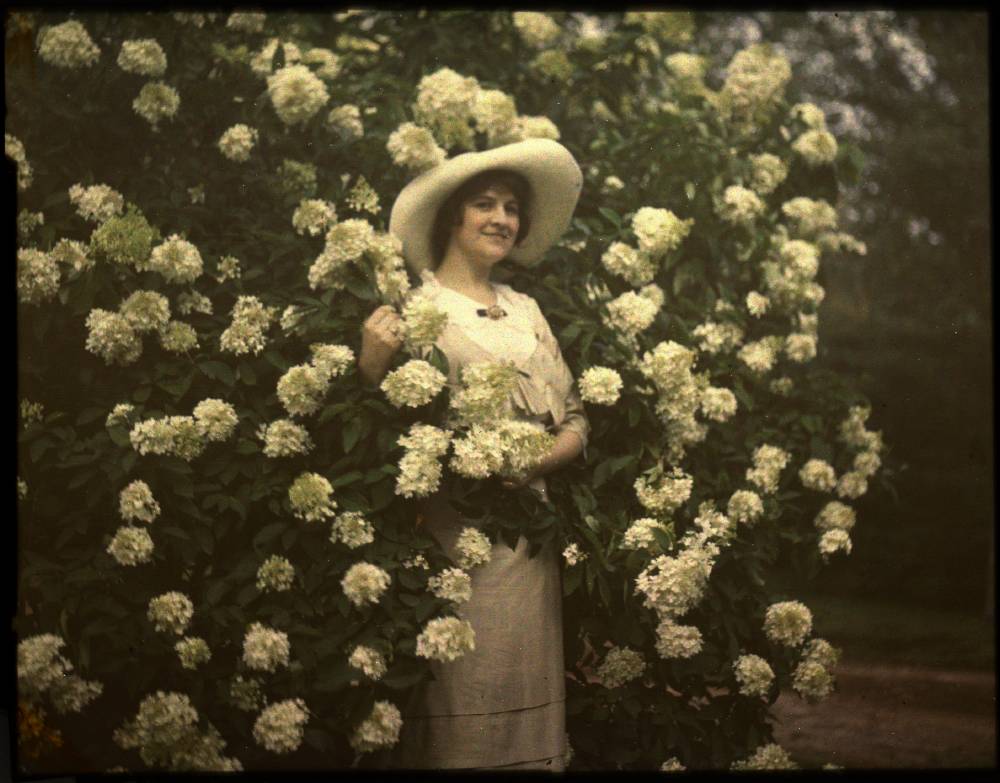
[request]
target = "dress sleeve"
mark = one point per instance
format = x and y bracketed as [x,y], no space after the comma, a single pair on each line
[574,417]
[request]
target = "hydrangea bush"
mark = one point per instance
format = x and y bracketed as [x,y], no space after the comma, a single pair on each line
[201,252]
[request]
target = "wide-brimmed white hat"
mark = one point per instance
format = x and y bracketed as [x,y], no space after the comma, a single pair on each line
[550,169]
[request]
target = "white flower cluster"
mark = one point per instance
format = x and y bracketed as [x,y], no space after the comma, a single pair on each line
[639,534]
[96,203]
[120,414]
[816,147]
[177,260]
[276,574]
[228,269]
[165,732]
[331,360]
[630,313]
[136,502]
[296,93]
[414,384]
[537,30]
[215,419]
[674,585]
[72,253]
[677,641]
[378,730]
[313,216]
[510,448]
[170,612]
[265,649]
[835,520]
[131,546]
[365,583]
[368,660]
[573,554]
[146,311]
[473,547]
[246,693]
[714,337]
[768,462]
[279,727]
[352,530]
[420,469]
[812,681]
[109,335]
[38,281]
[718,404]
[446,639]
[261,62]
[853,432]
[770,756]
[754,86]
[185,436]
[787,623]
[759,356]
[818,474]
[310,497]
[810,217]
[363,197]
[768,171]
[68,45]
[302,388]
[346,243]
[739,206]
[143,56]
[27,222]
[757,304]
[237,142]
[193,302]
[247,331]
[346,120]
[745,506]
[246,21]
[156,102]
[485,392]
[423,321]
[413,147]
[600,385]
[444,104]
[284,438]
[192,652]
[452,584]
[754,675]
[687,71]
[663,493]
[495,114]
[43,671]
[325,62]
[658,231]
[621,665]
[13,148]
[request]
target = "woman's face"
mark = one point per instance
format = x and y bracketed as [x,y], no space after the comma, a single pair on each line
[490,221]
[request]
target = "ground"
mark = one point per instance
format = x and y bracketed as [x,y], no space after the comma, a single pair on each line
[891,716]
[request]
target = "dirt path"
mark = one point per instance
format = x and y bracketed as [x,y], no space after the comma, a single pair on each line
[894,717]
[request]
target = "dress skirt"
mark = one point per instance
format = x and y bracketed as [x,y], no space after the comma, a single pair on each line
[503,705]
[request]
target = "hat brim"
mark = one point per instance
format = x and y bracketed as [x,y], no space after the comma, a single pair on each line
[550,169]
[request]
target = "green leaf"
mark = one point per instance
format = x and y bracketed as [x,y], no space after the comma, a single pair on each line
[268,533]
[218,371]
[350,434]
[246,374]
[347,478]
[611,216]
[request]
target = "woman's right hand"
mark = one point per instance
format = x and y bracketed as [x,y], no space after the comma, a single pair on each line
[381,337]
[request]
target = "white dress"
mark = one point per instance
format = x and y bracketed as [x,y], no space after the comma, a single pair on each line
[503,704]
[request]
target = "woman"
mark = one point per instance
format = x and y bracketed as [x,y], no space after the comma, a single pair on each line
[502,705]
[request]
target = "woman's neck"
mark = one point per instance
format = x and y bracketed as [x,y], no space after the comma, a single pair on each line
[471,280]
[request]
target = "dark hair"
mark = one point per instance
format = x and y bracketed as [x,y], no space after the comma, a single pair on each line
[450,213]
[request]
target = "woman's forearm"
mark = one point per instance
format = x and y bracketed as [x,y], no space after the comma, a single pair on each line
[373,367]
[567,447]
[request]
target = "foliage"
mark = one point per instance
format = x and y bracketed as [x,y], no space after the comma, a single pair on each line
[224,504]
